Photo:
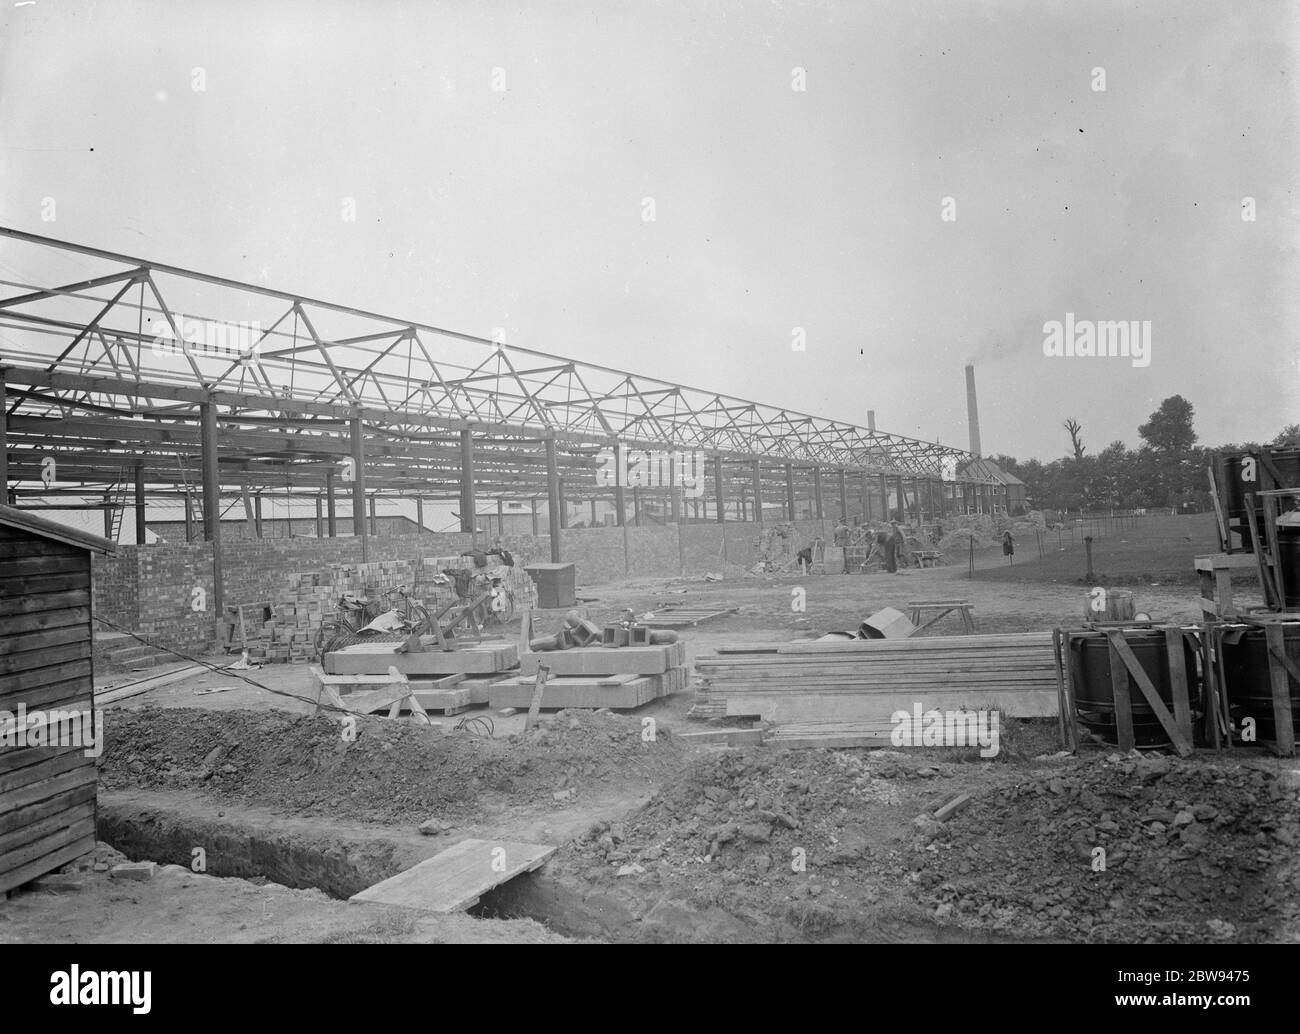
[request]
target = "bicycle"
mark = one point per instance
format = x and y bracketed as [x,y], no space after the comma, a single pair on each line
[354,613]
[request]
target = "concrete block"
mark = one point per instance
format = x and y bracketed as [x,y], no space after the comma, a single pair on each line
[139,871]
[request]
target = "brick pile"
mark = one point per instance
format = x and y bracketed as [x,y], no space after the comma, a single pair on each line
[309,600]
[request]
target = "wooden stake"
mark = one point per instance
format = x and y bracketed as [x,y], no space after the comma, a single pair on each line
[535,705]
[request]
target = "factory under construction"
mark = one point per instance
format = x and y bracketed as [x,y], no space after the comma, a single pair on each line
[445,625]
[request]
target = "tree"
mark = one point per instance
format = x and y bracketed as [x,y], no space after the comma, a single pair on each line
[1075,428]
[1288,436]
[1169,430]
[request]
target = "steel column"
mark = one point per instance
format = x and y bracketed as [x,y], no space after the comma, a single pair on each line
[553,497]
[139,497]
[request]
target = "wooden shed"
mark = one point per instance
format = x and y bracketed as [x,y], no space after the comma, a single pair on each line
[47,793]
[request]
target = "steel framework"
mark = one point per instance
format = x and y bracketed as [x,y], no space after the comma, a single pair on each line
[124,370]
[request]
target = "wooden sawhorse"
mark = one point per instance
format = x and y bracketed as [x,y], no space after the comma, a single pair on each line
[941,609]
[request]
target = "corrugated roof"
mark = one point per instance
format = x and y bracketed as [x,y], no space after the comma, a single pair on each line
[25,520]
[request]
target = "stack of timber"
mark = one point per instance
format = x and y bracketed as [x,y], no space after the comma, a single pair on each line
[866,681]
[449,681]
[47,727]
[621,678]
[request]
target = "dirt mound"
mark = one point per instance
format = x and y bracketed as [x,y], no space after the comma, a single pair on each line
[393,772]
[1193,852]
[784,845]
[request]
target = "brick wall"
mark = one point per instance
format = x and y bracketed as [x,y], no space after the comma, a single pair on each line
[150,589]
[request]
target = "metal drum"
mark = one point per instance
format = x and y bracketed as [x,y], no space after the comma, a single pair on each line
[1094,693]
[1234,484]
[1247,683]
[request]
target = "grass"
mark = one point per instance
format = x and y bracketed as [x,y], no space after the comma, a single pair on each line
[1154,550]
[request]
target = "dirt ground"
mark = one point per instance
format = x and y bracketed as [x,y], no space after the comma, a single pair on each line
[661,840]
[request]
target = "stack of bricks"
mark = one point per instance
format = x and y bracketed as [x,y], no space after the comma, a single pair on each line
[306,603]
[515,579]
[309,600]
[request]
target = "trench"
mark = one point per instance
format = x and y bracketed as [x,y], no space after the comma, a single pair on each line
[340,860]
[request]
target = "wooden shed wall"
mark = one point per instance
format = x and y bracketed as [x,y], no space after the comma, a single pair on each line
[47,794]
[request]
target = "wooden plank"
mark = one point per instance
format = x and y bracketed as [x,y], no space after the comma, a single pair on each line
[1178,681]
[972,644]
[29,641]
[1284,732]
[535,701]
[455,879]
[1263,563]
[34,547]
[947,811]
[69,693]
[23,567]
[12,759]
[487,658]
[40,866]
[77,776]
[19,818]
[61,836]
[36,677]
[601,660]
[33,659]
[448,701]
[832,735]
[44,601]
[40,621]
[30,832]
[1119,646]
[31,585]
[731,737]
[1123,703]
[140,686]
[576,693]
[813,706]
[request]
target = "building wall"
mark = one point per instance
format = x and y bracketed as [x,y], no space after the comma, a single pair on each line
[152,589]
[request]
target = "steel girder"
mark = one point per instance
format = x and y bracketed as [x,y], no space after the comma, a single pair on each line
[145,339]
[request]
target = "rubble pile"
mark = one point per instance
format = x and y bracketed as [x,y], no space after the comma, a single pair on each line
[1128,849]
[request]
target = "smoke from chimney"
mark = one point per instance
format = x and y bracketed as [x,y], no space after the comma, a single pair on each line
[972,411]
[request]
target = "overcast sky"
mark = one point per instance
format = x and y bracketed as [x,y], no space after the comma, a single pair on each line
[774,208]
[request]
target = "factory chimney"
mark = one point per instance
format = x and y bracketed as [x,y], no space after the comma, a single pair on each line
[972,411]
[871,419]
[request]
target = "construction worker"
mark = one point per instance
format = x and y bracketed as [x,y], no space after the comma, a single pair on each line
[890,548]
[841,541]
[899,544]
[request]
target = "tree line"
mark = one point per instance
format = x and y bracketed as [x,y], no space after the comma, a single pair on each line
[1168,470]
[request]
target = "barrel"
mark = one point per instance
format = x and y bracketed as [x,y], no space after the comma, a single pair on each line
[1119,605]
[1094,692]
[1234,486]
[1247,683]
[1288,560]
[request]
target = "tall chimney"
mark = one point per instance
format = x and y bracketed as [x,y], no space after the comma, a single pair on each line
[972,411]
[871,419]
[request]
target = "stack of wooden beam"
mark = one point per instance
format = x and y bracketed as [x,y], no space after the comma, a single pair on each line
[866,681]
[621,677]
[447,681]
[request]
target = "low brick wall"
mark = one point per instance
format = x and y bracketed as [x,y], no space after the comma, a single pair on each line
[156,590]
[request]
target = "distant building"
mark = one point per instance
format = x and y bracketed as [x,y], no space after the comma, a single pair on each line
[1010,494]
